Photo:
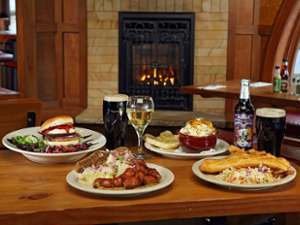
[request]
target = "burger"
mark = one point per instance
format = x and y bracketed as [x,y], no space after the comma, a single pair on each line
[59,131]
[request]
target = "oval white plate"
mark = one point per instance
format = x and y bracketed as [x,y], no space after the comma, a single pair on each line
[220,148]
[167,177]
[46,158]
[212,179]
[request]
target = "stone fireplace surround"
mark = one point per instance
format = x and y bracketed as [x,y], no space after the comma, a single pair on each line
[211,26]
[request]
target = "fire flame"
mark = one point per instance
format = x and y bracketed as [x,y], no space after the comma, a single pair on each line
[157,76]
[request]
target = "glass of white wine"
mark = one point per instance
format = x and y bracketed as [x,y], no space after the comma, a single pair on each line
[139,111]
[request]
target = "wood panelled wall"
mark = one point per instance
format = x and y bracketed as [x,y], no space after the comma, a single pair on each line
[244,40]
[54,59]
[250,29]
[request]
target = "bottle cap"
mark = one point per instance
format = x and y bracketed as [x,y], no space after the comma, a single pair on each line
[245,82]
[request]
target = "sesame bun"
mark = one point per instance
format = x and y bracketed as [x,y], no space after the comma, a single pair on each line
[56,121]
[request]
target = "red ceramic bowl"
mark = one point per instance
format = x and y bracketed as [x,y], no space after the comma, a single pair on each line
[197,144]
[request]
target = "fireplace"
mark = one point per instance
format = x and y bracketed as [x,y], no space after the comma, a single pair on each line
[156,54]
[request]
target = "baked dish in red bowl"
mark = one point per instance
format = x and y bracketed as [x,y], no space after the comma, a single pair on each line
[198,135]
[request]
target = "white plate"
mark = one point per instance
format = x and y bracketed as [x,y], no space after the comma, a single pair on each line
[167,177]
[221,147]
[212,179]
[47,158]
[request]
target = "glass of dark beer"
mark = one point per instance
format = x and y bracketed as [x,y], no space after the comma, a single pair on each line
[115,120]
[270,128]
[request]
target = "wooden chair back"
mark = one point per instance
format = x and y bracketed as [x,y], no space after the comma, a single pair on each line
[18,113]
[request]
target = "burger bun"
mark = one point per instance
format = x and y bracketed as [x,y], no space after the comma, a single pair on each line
[56,121]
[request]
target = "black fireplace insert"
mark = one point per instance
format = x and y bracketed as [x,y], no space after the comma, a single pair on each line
[156,57]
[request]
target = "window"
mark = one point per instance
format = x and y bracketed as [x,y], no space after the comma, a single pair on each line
[12,10]
[297,62]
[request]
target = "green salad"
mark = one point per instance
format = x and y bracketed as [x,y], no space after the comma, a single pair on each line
[28,142]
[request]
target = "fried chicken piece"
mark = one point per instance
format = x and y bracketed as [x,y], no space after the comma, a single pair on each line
[148,179]
[131,182]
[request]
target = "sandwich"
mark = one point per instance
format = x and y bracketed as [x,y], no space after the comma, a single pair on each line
[243,159]
[247,167]
[166,140]
[60,131]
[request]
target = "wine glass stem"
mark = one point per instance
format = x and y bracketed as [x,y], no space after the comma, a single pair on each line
[140,142]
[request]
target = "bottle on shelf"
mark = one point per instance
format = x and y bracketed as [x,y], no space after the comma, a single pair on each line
[243,118]
[293,86]
[284,72]
[277,80]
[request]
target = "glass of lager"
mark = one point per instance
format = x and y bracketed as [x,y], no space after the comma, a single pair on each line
[270,128]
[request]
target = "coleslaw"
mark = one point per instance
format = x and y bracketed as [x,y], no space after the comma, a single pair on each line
[258,175]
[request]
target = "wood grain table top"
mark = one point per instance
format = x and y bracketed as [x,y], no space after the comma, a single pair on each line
[38,194]
[231,90]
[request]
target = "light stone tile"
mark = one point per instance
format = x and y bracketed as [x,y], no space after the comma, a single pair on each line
[144,5]
[215,16]
[224,5]
[99,5]
[188,5]
[134,5]
[170,4]
[215,5]
[108,5]
[116,5]
[218,52]
[212,35]
[90,4]
[206,5]
[203,43]
[152,5]
[179,5]
[212,25]
[102,76]
[210,69]
[125,5]
[210,61]
[103,42]
[197,5]
[96,33]
[202,51]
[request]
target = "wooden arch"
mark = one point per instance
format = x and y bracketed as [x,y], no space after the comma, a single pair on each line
[284,38]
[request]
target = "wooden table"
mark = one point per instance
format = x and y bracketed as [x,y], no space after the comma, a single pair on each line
[258,94]
[38,194]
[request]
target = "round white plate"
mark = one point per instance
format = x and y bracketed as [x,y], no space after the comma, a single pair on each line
[96,138]
[212,179]
[221,147]
[167,177]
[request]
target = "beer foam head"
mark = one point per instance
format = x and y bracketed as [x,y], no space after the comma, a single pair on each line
[270,112]
[116,98]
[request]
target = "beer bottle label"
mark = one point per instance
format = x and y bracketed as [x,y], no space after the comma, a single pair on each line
[243,130]
[284,85]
